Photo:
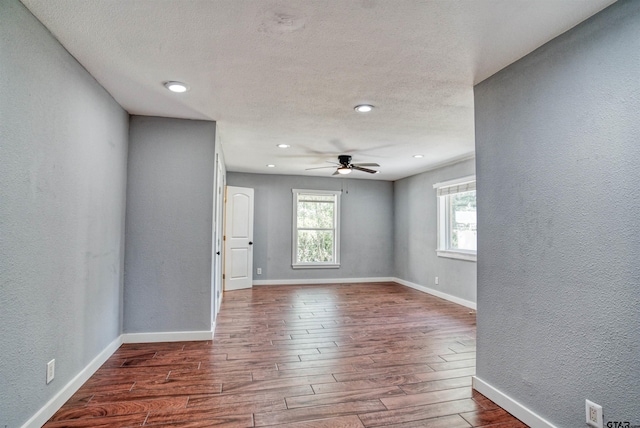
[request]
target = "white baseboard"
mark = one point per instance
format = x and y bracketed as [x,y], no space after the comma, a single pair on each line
[53,405]
[510,405]
[170,336]
[449,297]
[61,397]
[321,281]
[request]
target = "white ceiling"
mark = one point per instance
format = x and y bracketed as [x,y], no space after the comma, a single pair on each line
[291,71]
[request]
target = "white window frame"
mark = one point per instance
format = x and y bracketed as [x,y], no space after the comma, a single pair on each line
[335,264]
[444,234]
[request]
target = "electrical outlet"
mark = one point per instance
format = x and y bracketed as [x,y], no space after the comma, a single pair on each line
[259,271]
[437,280]
[51,370]
[594,414]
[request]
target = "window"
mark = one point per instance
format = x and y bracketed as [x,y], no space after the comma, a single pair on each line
[457,220]
[316,231]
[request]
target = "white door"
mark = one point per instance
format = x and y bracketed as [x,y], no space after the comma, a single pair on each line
[218,233]
[238,244]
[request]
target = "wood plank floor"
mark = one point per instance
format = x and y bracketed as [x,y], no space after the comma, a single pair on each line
[346,355]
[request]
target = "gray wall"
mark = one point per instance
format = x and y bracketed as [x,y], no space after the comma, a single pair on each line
[169,225]
[415,228]
[63,146]
[366,247]
[557,146]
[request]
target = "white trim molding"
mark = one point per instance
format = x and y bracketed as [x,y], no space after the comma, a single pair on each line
[510,405]
[460,255]
[445,217]
[440,294]
[169,336]
[53,405]
[315,266]
[322,281]
[335,230]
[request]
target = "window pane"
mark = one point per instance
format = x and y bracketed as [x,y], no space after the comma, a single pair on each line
[315,215]
[315,246]
[315,229]
[462,217]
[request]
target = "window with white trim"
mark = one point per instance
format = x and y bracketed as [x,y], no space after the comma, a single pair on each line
[316,229]
[457,219]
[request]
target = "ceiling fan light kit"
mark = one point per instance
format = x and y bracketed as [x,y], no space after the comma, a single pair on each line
[345,166]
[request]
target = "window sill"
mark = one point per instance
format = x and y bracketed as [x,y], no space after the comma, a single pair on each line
[471,257]
[316,266]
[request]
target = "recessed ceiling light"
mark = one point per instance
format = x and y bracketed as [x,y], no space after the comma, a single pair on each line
[174,86]
[418,156]
[283,146]
[271,165]
[363,108]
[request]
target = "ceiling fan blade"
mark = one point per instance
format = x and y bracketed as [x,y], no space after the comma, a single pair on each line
[365,164]
[359,168]
[336,173]
[319,167]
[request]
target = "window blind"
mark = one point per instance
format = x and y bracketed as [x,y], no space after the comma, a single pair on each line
[456,188]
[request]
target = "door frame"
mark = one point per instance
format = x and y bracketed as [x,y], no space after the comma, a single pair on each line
[217,265]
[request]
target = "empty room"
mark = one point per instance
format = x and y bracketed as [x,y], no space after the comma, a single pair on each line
[334,213]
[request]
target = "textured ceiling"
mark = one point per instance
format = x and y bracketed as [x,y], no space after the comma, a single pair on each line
[285,71]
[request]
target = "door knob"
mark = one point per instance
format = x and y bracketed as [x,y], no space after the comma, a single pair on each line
[250,243]
[218,253]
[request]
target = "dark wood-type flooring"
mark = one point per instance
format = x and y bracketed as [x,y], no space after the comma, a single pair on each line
[347,355]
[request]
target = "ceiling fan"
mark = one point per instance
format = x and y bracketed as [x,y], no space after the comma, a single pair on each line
[345,166]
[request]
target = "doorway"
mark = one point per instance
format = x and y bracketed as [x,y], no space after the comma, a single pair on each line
[218,233]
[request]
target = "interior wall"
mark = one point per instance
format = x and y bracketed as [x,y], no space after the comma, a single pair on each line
[63,145]
[169,225]
[415,226]
[557,167]
[366,235]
